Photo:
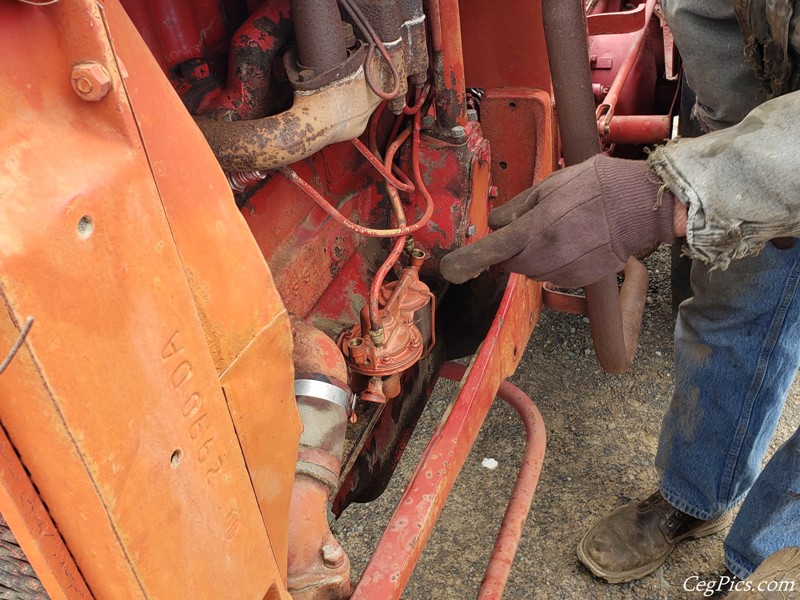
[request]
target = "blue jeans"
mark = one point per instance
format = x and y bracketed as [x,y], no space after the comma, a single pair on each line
[737,340]
[737,349]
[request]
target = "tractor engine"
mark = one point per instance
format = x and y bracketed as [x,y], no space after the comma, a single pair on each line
[265,325]
[356,170]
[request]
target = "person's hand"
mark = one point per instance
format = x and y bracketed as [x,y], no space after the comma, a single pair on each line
[576,227]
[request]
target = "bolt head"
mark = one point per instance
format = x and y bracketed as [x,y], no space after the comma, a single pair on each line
[428,121]
[91,81]
[458,132]
[332,556]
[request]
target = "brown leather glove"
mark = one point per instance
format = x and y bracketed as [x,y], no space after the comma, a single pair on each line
[579,225]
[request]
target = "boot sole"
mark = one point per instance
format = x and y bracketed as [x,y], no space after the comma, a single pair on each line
[710,528]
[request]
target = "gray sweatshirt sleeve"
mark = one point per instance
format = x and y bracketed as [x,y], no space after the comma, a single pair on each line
[741,184]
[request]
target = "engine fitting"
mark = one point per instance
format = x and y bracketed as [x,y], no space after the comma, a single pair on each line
[377,357]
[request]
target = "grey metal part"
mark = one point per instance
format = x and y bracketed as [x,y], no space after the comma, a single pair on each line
[323,391]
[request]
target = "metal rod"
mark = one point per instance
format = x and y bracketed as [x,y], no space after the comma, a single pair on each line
[605,111]
[615,317]
[519,504]
[319,33]
[638,129]
[411,525]
[17,345]
[567,51]
[566,36]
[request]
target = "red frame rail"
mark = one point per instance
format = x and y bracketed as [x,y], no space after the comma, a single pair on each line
[411,525]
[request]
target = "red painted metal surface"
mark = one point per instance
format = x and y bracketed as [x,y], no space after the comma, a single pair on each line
[458,178]
[181,31]
[255,43]
[519,124]
[504,45]
[616,22]
[408,530]
[448,63]
[606,110]
[638,129]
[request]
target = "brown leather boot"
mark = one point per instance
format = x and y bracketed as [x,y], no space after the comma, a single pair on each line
[634,540]
[778,578]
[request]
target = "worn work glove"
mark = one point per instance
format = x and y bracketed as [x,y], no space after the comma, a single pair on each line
[578,226]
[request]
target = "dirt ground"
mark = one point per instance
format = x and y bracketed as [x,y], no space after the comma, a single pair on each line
[602,434]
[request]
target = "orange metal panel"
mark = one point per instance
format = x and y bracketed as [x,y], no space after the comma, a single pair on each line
[232,286]
[28,518]
[114,401]
[259,388]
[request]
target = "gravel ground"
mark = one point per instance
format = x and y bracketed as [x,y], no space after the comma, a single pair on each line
[602,434]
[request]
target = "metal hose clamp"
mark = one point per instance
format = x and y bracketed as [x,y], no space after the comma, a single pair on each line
[324,391]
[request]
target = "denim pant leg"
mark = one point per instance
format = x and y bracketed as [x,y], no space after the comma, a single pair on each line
[737,341]
[737,349]
[770,515]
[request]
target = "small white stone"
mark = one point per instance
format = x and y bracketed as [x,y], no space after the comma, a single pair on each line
[489,463]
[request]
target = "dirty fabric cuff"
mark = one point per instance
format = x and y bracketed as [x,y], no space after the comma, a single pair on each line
[741,184]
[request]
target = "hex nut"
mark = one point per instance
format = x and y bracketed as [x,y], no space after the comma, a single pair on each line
[91,81]
[332,556]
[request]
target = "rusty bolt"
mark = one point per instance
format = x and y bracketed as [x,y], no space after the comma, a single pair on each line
[472,115]
[458,133]
[91,81]
[332,556]
[428,121]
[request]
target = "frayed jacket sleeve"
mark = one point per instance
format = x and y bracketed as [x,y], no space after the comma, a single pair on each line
[741,184]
